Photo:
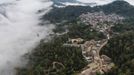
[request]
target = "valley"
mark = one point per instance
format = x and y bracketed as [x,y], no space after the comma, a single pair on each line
[66,37]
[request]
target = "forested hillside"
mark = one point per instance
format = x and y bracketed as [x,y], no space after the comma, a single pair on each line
[121,49]
[72,12]
[119,7]
[52,58]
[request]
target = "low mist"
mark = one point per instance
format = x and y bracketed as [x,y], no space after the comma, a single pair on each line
[20,31]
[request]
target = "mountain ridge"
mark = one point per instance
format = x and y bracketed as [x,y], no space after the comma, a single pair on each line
[56,15]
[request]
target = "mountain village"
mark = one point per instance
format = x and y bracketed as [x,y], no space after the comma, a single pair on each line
[91,49]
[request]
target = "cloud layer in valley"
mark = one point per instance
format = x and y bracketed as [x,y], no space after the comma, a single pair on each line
[63,3]
[102,2]
[19,30]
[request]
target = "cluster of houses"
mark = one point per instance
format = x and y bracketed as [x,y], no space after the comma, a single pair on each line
[91,49]
[91,52]
[100,18]
[97,63]
[101,22]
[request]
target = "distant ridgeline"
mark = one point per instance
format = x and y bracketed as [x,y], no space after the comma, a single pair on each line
[72,12]
[59,2]
[52,58]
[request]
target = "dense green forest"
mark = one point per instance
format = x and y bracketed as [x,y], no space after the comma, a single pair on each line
[119,7]
[69,13]
[121,49]
[52,58]
[76,29]
[128,25]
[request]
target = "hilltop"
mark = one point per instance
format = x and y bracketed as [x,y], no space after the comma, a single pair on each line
[70,13]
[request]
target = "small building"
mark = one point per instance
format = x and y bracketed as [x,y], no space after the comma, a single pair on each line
[98,45]
[76,41]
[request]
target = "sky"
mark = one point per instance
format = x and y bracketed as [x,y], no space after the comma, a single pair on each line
[99,2]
